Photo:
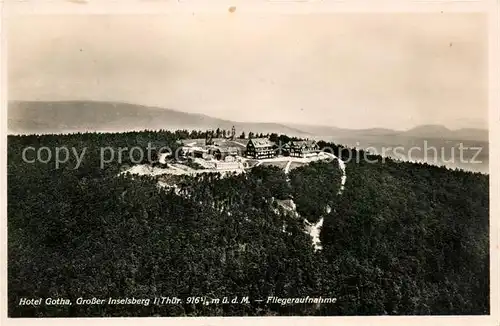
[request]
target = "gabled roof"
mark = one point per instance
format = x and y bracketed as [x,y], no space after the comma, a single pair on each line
[303,143]
[261,142]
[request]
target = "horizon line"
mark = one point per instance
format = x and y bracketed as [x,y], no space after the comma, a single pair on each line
[286,124]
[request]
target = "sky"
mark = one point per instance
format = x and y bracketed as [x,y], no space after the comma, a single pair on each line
[345,70]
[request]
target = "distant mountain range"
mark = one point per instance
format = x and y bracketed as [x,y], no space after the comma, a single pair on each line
[423,131]
[79,116]
[74,116]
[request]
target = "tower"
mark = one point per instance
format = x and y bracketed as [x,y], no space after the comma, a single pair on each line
[233,133]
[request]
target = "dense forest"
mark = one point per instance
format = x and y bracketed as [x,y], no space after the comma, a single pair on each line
[400,239]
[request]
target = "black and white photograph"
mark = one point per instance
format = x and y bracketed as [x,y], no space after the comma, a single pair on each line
[248,164]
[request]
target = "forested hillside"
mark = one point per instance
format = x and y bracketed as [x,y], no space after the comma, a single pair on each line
[400,239]
[410,239]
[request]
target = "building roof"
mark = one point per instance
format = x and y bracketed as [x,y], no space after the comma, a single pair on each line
[191,149]
[303,143]
[261,142]
[225,149]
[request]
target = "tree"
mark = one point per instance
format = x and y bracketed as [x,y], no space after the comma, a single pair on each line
[401,239]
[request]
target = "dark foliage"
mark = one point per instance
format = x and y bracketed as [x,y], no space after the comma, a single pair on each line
[315,188]
[401,239]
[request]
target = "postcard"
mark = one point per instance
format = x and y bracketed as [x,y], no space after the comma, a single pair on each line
[236,162]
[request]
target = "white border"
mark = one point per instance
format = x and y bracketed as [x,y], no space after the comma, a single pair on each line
[15,7]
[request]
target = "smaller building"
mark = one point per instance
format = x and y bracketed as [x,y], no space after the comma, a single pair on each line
[193,151]
[302,148]
[229,152]
[260,148]
[206,164]
[221,153]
